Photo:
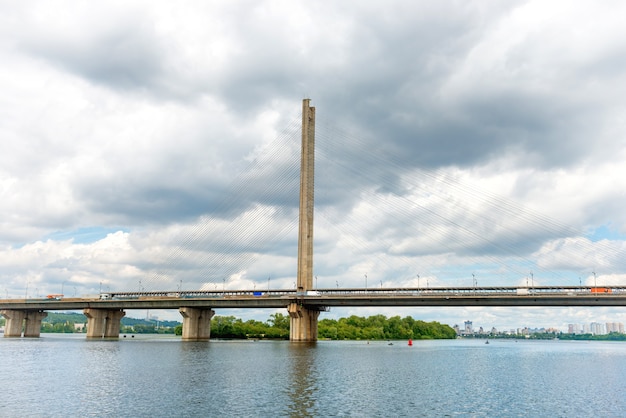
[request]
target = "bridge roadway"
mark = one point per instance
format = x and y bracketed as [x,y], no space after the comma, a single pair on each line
[322,299]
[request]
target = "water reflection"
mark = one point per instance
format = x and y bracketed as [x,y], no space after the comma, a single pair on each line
[304,379]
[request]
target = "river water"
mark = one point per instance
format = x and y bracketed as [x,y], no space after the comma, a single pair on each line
[156,376]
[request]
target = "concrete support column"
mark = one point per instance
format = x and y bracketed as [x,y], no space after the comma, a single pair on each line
[196,323]
[32,323]
[303,323]
[14,322]
[103,323]
[29,321]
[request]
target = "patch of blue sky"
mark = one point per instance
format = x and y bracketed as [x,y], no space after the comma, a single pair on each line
[85,235]
[607,232]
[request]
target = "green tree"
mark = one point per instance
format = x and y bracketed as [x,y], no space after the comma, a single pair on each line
[278,320]
[378,327]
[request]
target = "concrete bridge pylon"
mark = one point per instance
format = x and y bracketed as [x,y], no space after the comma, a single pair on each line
[303,321]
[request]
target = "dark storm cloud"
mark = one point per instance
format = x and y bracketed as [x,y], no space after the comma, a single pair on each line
[423,131]
[191,179]
[395,89]
[386,73]
[123,56]
[385,77]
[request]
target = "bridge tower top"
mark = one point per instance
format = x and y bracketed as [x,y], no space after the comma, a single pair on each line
[307,171]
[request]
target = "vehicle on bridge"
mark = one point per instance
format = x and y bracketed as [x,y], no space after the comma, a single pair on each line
[309,293]
[55,296]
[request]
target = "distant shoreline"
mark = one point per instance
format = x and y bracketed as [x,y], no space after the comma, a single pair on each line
[614,336]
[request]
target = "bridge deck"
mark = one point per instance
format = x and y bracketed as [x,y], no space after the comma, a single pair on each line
[321,298]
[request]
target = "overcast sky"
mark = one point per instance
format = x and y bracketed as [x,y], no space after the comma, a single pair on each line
[155,145]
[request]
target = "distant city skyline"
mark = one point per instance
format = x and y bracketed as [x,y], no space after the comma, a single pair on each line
[594,328]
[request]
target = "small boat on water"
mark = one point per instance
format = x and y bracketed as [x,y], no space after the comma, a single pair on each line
[487,342]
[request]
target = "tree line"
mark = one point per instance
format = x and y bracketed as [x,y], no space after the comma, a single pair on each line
[57,322]
[377,327]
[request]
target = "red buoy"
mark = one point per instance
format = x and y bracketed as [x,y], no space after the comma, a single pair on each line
[410,341]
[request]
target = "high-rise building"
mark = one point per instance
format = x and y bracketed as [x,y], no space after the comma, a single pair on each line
[597,328]
[573,328]
[614,327]
[468,327]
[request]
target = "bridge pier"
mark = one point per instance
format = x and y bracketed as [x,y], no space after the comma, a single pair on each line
[196,323]
[29,321]
[32,323]
[103,323]
[303,323]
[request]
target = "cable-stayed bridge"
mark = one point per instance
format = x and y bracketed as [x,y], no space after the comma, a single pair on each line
[197,306]
[224,245]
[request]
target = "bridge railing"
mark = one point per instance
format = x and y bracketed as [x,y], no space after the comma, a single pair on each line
[354,292]
[195,294]
[466,291]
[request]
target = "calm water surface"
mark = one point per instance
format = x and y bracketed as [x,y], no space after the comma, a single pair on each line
[151,376]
